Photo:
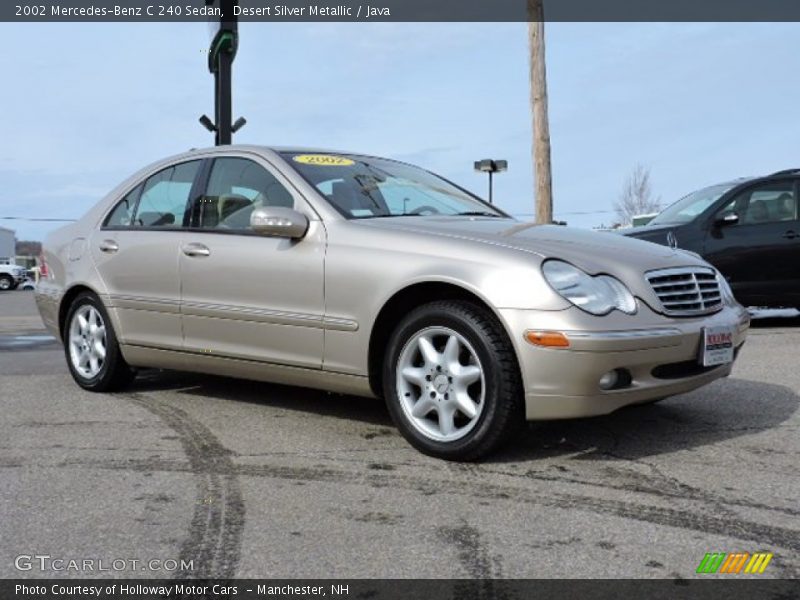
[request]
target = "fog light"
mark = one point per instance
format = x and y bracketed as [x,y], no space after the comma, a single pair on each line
[609,380]
[617,379]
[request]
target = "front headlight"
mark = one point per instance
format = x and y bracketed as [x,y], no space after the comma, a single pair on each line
[597,295]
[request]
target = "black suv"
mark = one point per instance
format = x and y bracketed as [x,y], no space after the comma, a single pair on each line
[747,228]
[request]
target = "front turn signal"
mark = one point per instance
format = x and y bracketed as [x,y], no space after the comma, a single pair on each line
[547,339]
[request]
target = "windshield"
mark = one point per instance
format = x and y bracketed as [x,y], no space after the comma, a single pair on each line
[688,207]
[362,187]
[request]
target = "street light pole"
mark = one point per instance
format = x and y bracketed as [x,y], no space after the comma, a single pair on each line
[487,165]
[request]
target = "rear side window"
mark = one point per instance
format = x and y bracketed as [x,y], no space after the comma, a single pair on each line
[122,215]
[165,197]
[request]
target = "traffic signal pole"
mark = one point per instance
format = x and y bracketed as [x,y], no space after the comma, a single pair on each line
[223,99]
[220,62]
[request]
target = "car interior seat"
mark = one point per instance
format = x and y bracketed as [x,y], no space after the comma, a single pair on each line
[757,212]
[234,211]
[785,207]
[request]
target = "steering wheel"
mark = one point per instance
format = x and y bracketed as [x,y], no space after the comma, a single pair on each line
[426,208]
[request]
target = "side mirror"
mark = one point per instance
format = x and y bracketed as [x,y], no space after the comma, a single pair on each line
[727,218]
[279,221]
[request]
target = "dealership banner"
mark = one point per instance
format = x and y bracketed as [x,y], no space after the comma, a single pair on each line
[403,589]
[400,10]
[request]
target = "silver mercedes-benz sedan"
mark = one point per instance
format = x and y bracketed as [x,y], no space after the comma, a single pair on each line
[362,275]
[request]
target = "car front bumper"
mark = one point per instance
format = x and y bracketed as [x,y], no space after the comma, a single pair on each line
[660,354]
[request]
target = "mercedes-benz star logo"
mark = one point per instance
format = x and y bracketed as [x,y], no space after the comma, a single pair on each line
[672,241]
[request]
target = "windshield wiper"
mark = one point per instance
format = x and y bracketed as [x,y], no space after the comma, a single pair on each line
[478,213]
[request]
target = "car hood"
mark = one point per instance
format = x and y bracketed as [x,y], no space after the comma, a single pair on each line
[651,233]
[592,251]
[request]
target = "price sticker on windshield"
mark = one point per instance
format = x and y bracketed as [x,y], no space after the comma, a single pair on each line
[323,160]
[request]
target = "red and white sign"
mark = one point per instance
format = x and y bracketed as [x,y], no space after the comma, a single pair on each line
[717,346]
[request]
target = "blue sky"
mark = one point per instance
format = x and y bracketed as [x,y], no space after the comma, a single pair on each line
[696,103]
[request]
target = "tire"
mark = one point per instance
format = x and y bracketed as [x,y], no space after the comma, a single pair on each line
[469,357]
[88,367]
[6,283]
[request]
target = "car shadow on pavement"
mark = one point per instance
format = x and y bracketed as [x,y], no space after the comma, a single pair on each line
[726,409]
[367,410]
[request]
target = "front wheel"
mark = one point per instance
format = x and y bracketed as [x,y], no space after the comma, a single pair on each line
[451,381]
[5,283]
[91,347]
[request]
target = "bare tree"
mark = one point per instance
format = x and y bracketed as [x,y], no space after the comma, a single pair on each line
[636,197]
[541,128]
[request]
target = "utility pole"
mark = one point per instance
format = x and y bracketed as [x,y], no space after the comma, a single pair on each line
[541,129]
[220,62]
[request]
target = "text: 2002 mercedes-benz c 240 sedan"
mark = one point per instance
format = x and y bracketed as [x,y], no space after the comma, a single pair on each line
[368,276]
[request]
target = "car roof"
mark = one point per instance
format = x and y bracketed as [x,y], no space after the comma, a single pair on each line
[276,149]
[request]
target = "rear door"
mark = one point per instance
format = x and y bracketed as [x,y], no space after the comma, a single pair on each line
[136,254]
[759,254]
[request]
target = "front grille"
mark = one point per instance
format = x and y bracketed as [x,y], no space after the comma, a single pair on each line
[686,291]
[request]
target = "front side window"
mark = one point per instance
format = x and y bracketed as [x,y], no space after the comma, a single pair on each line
[362,187]
[236,187]
[768,203]
[165,197]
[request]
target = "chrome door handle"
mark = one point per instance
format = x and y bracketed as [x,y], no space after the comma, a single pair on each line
[791,234]
[109,246]
[196,250]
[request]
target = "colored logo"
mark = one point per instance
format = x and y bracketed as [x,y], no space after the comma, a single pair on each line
[735,563]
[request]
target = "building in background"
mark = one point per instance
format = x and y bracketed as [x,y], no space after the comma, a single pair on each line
[8,245]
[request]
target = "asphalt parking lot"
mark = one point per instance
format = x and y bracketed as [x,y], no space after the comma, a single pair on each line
[254,480]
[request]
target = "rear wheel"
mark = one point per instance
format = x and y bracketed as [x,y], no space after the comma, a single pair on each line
[91,347]
[451,381]
[5,283]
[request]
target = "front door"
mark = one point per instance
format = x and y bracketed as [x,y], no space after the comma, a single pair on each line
[758,254]
[245,295]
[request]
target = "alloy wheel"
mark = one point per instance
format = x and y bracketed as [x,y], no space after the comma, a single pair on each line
[440,384]
[87,341]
